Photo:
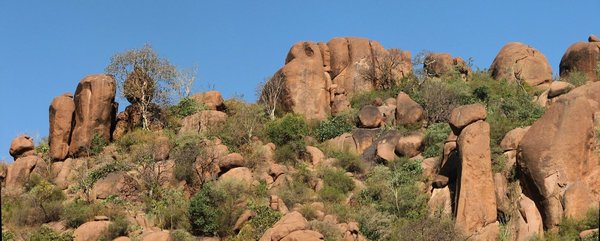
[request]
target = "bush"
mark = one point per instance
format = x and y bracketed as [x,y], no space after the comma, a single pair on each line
[97,145]
[214,210]
[295,191]
[45,233]
[119,226]
[428,229]
[290,153]
[330,231]
[289,128]
[244,121]
[264,219]
[170,210]
[181,235]
[77,213]
[132,138]
[335,185]
[569,228]
[577,78]
[335,126]
[186,107]
[433,142]
[374,224]
[441,97]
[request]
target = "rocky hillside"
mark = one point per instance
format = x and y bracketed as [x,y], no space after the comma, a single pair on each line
[348,141]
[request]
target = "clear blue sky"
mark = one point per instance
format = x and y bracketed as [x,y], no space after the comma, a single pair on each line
[46,47]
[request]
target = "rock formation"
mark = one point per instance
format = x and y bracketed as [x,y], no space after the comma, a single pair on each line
[520,62]
[21,146]
[582,57]
[61,123]
[439,64]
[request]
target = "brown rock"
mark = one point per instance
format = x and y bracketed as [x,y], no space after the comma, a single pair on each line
[65,171]
[304,235]
[407,110]
[577,200]
[410,145]
[502,201]
[440,181]
[363,138]
[582,57]
[211,99]
[90,231]
[156,236]
[520,62]
[389,114]
[439,64]
[529,219]
[122,238]
[593,38]
[386,150]
[316,155]
[476,201]
[21,146]
[202,121]
[440,202]
[117,183]
[588,232]
[95,110]
[243,219]
[161,148]
[230,161]
[241,174]
[61,120]
[558,88]
[464,115]
[512,139]
[18,173]
[370,117]
[289,223]
[344,142]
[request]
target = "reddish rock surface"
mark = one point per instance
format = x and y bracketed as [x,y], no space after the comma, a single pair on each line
[407,110]
[61,123]
[21,146]
[582,57]
[520,62]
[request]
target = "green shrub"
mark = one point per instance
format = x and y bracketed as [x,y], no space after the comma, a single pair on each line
[214,210]
[335,126]
[264,219]
[427,229]
[330,231]
[132,138]
[186,107]
[244,121]
[7,235]
[295,191]
[98,143]
[289,128]
[77,213]
[48,199]
[361,99]
[433,142]
[170,210]
[119,226]
[569,228]
[290,153]
[374,224]
[181,235]
[184,157]
[45,233]
[577,78]
[42,148]
[335,185]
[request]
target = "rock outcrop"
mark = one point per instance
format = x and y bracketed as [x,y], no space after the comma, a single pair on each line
[61,123]
[582,57]
[95,111]
[440,64]
[18,173]
[212,100]
[318,78]
[407,110]
[520,62]
[21,146]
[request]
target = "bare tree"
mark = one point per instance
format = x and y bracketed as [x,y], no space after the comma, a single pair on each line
[270,93]
[384,69]
[143,78]
[185,81]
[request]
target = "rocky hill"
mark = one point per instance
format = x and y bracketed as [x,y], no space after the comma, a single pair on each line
[348,141]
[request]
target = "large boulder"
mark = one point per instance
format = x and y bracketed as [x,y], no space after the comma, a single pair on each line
[476,199]
[117,183]
[558,150]
[582,57]
[407,110]
[21,146]
[410,145]
[529,220]
[91,231]
[370,117]
[61,123]
[466,114]
[291,222]
[211,99]
[520,62]
[202,121]
[304,235]
[18,173]
[439,64]
[95,111]
[240,174]
[512,139]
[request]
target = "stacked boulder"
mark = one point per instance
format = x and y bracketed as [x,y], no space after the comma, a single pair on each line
[319,77]
[440,64]
[26,163]
[517,62]
[582,57]
[75,121]
[205,119]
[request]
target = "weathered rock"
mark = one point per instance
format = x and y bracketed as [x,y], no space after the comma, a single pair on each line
[241,174]
[466,114]
[512,139]
[230,161]
[117,183]
[440,181]
[95,110]
[202,121]
[581,57]
[558,150]
[156,236]
[520,62]
[476,201]
[439,64]
[243,219]
[304,235]
[65,171]
[132,118]
[589,232]
[558,88]
[316,155]
[21,146]
[407,110]
[289,223]
[122,238]
[211,99]
[90,231]
[440,202]
[577,200]
[344,142]
[389,114]
[410,145]
[529,219]
[161,148]
[363,138]
[18,173]
[61,120]
[502,201]
[370,117]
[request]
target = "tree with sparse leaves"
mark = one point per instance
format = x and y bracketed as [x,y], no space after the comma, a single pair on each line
[270,93]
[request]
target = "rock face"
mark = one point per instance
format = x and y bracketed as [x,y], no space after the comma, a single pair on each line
[558,150]
[119,183]
[318,78]
[288,224]
[90,231]
[21,146]
[464,115]
[520,62]
[583,57]
[61,122]
[407,110]
[19,171]
[95,110]
[370,117]
[202,121]
[439,64]
[211,99]
[476,202]
[530,220]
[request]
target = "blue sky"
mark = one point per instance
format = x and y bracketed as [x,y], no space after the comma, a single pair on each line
[46,47]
